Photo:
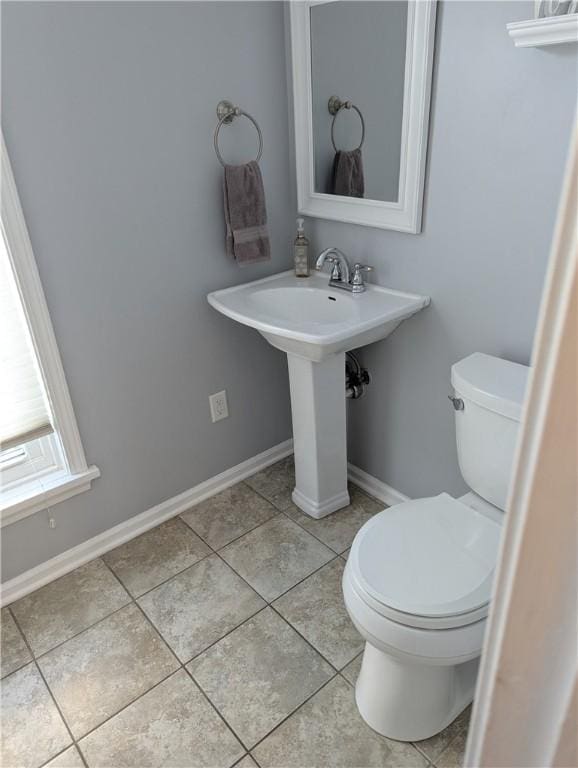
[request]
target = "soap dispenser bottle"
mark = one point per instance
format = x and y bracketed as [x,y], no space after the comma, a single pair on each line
[301,252]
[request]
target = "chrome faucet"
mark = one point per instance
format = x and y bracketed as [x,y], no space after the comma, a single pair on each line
[341,271]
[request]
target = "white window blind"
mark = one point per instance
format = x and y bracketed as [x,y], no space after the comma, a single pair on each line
[24,411]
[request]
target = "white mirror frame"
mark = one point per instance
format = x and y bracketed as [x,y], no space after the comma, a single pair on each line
[405,214]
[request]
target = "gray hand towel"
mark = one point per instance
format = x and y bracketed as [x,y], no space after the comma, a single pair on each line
[347,176]
[247,239]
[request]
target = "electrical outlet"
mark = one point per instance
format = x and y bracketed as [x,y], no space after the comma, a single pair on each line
[219,407]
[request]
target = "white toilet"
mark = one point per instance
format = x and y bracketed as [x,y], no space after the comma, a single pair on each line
[419,576]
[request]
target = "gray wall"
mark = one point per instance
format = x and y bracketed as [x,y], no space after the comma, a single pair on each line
[501,121]
[108,114]
[358,53]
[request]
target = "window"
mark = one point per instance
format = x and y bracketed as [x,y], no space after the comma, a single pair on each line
[42,460]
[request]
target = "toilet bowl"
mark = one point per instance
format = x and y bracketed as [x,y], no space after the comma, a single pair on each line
[418,580]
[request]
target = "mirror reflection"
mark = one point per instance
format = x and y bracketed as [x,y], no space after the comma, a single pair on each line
[357,72]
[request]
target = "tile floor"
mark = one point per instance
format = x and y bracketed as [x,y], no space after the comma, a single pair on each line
[218,638]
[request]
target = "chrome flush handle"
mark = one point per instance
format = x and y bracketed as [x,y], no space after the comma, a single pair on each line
[457,402]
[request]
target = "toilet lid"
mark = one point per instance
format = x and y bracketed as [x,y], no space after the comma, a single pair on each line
[431,557]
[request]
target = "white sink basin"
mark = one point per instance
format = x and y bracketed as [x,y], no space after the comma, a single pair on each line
[304,317]
[316,325]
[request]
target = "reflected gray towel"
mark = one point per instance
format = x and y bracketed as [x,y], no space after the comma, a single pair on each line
[247,239]
[347,177]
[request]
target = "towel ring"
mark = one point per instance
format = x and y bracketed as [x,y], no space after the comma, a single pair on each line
[335,105]
[226,113]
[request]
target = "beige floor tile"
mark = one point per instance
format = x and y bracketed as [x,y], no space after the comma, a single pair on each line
[228,515]
[433,747]
[351,671]
[32,729]
[317,611]
[199,606]
[275,556]
[275,483]
[70,758]
[258,674]
[13,651]
[103,669]
[453,755]
[68,605]
[173,726]
[154,557]
[328,731]
[338,529]
[246,762]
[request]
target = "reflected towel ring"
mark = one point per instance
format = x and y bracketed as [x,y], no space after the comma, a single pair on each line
[226,113]
[335,105]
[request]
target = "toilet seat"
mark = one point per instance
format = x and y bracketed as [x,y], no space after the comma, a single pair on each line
[427,563]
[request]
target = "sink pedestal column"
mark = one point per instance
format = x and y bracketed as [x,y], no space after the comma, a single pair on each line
[319,434]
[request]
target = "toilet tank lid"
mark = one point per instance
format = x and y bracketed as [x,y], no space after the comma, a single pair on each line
[491,382]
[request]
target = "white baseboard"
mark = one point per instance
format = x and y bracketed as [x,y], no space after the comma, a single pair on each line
[73,558]
[373,486]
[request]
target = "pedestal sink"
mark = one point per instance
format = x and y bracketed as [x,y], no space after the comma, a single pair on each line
[316,325]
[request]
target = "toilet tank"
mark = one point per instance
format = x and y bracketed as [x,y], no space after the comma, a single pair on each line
[492,391]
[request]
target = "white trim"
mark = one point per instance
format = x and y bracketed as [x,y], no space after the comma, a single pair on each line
[36,310]
[540,32]
[529,663]
[73,558]
[376,488]
[45,492]
[405,214]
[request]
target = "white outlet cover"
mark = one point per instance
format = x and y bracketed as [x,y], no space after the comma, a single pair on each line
[219,407]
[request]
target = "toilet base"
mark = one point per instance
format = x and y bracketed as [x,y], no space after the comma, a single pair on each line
[411,702]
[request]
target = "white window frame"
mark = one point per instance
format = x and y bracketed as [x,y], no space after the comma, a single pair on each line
[33,459]
[74,475]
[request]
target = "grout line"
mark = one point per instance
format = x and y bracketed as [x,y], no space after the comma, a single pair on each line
[219,713]
[284,512]
[136,598]
[126,706]
[24,640]
[303,528]
[288,516]
[58,709]
[230,632]
[80,632]
[275,514]
[293,711]
[235,765]
[70,746]
[310,644]
[48,688]
[415,744]
[274,510]
[349,683]
[448,745]
[282,594]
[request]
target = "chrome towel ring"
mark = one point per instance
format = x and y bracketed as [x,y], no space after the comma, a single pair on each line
[335,105]
[227,112]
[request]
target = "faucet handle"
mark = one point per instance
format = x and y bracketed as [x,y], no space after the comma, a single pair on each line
[335,267]
[357,280]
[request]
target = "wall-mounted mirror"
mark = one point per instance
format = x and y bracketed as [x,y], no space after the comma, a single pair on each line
[361,89]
